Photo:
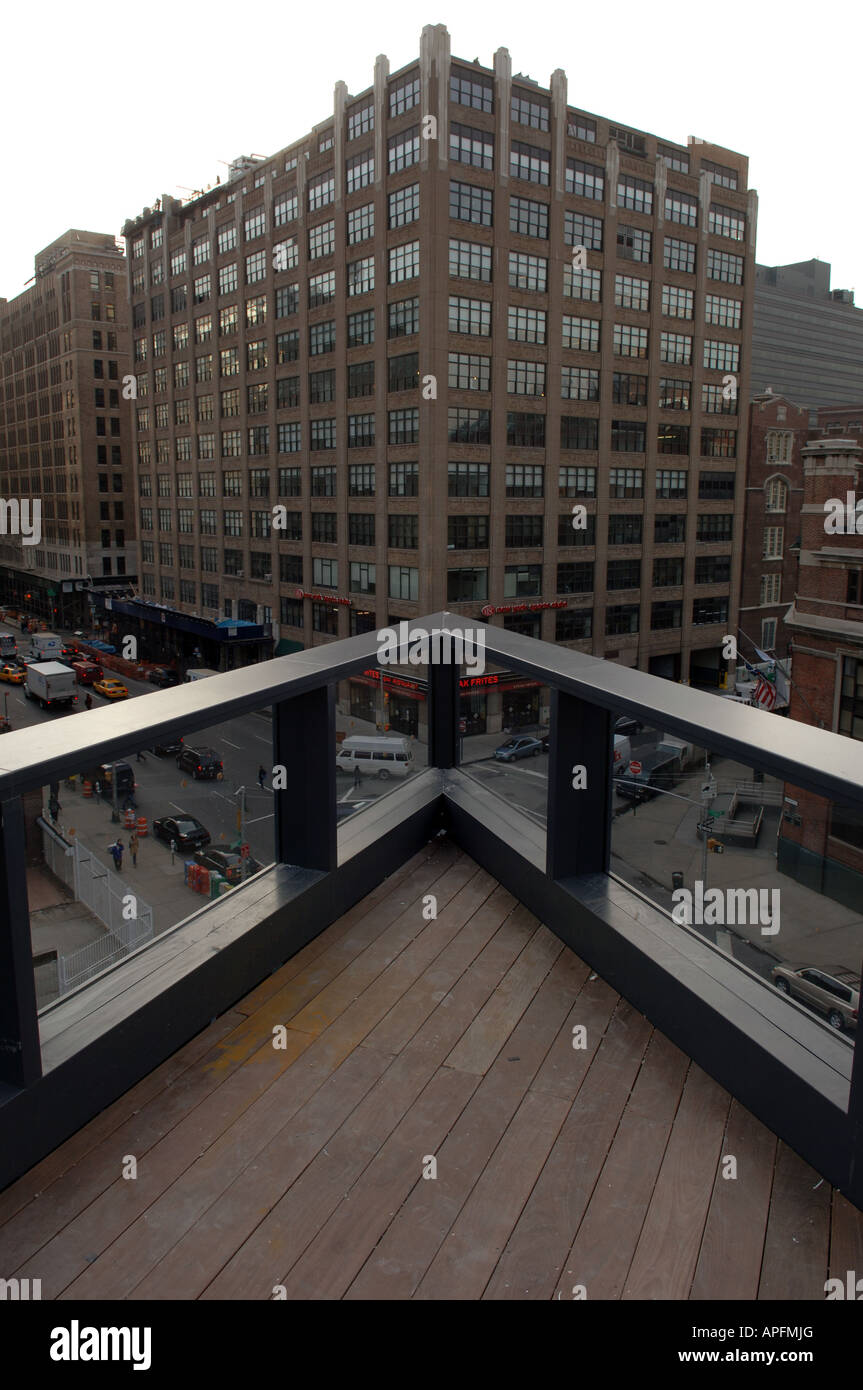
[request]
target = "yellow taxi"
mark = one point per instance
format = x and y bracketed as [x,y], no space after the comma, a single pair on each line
[111,689]
[13,675]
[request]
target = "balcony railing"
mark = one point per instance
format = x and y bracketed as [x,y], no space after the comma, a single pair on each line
[552,832]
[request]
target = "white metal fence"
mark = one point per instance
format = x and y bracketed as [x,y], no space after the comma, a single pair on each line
[105,893]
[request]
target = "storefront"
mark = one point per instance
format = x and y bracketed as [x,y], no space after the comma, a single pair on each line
[363,699]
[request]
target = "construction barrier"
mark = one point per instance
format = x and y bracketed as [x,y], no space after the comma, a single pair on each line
[142,827]
[128,820]
[87,788]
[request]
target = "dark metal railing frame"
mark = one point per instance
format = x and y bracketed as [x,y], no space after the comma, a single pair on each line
[586,695]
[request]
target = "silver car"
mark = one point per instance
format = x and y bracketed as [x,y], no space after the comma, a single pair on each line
[834,992]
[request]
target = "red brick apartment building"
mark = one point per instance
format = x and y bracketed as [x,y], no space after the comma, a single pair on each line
[66,431]
[821,843]
[453,311]
[778,432]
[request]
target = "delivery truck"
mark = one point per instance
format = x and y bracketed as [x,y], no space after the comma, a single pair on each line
[45,646]
[8,645]
[51,683]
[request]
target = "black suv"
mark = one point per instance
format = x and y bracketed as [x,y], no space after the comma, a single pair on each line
[201,762]
[164,676]
[659,772]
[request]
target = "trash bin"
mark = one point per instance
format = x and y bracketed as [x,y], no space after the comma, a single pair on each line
[676,879]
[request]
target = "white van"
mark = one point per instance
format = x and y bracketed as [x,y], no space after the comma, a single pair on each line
[678,747]
[381,756]
[200,673]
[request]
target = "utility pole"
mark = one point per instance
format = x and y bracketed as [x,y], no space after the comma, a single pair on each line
[241,813]
[115,813]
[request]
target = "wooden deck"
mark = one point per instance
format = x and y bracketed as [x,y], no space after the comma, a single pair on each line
[406,1039]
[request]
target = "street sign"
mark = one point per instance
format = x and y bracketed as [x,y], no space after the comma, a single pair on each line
[635,768]
[244,851]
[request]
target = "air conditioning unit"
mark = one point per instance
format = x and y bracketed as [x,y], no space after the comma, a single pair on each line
[268,579]
[238,574]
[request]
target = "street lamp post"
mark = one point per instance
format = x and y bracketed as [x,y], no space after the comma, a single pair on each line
[708,792]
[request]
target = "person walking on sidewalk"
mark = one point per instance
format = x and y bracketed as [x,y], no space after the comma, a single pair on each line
[262,776]
[88,703]
[117,853]
[133,847]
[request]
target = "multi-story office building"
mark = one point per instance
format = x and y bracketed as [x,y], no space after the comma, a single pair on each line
[65,431]
[807,340]
[821,842]
[483,349]
[778,431]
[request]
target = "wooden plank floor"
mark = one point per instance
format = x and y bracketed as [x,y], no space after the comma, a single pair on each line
[460,1109]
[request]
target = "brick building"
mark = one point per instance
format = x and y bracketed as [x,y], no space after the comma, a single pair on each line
[821,843]
[778,431]
[428,351]
[65,430]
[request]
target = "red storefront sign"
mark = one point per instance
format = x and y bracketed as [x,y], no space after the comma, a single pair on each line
[414,689]
[488,610]
[321,598]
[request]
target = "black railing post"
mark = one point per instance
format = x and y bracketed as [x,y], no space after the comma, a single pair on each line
[443,715]
[20,1052]
[304,744]
[854,1188]
[579,788]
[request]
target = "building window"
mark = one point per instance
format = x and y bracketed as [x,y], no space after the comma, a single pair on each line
[628,436]
[727,222]
[667,572]
[625,528]
[721,357]
[470,89]
[582,284]
[361,379]
[626,482]
[403,206]
[525,378]
[634,243]
[629,341]
[322,338]
[322,289]
[672,439]
[403,480]
[361,431]
[290,482]
[577,482]
[722,265]
[404,262]
[579,432]
[779,445]
[631,293]
[529,162]
[771,589]
[403,149]
[361,328]
[468,479]
[580,334]
[471,316]
[621,619]
[725,313]
[524,480]
[579,384]
[681,207]
[671,482]
[361,224]
[405,96]
[361,121]
[404,318]
[467,203]
[469,372]
[404,582]
[526,112]
[715,487]
[467,145]
[526,325]
[679,255]
[718,443]
[323,434]
[773,542]
[669,529]
[468,260]
[465,426]
[361,479]
[678,303]
[361,528]
[322,191]
[404,426]
[360,171]
[469,532]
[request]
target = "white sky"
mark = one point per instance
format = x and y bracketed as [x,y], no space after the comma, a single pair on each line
[99,119]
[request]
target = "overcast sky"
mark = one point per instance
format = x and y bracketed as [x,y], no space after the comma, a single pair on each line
[105,107]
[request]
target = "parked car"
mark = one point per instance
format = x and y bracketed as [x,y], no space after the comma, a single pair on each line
[181,832]
[525,746]
[201,762]
[164,676]
[834,992]
[228,864]
[12,675]
[110,688]
[627,725]
[170,748]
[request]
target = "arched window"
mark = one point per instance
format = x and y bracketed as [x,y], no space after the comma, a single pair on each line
[776,495]
[779,444]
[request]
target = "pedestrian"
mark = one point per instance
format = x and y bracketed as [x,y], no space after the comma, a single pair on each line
[89,701]
[139,757]
[262,776]
[133,847]
[129,804]
[357,778]
[116,851]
